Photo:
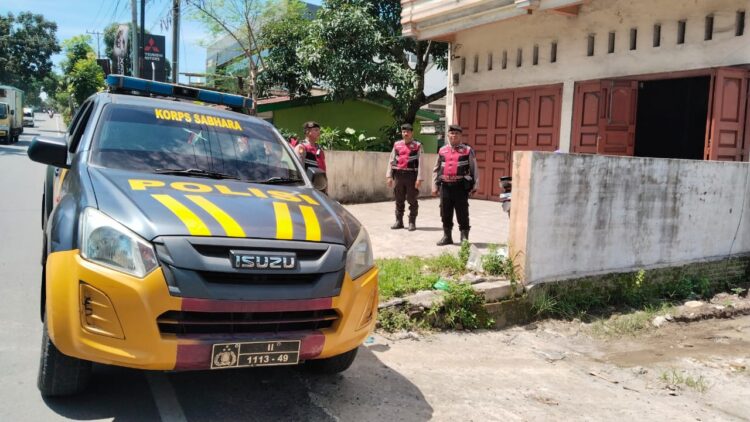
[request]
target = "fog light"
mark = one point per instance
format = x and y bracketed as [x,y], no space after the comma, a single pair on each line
[98,315]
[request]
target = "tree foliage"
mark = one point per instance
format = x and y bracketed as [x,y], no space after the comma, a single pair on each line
[355,49]
[27,43]
[82,75]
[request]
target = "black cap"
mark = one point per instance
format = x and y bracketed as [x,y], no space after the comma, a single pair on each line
[310,125]
[455,128]
[407,126]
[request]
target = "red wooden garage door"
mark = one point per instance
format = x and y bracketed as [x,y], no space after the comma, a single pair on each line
[604,117]
[497,123]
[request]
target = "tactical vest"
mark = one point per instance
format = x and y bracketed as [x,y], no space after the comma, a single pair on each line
[406,156]
[454,162]
[314,156]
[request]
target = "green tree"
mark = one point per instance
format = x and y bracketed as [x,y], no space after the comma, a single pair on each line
[355,49]
[27,43]
[241,20]
[76,48]
[85,79]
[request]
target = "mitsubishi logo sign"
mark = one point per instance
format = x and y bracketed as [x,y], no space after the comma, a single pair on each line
[153,58]
[151,46]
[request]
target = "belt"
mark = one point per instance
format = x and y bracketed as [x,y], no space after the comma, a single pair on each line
[404,170]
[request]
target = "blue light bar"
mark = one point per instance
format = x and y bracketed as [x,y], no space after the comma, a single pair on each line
[120,83]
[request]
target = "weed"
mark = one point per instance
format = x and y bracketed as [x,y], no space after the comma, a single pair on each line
[463,253]
[629,324]
[463,308]
[492,263]
[543,305]
[446,263]
[676,379]
[400,277]
[738,291]
[396,319]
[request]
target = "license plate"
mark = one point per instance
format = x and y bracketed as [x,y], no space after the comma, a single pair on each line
[257,353]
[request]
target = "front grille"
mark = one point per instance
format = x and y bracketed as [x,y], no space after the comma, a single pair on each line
[178,322]
[221,251]
[257,279]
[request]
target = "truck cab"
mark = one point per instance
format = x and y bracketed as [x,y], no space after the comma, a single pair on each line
[180,235]
[5,122]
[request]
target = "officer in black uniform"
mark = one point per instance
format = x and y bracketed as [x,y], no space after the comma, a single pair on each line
[404,175]
[455,177]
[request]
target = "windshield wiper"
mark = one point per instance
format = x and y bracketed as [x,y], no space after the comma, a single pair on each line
[278,181]
[196,173]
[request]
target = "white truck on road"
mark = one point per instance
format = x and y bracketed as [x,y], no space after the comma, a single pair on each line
[12,124]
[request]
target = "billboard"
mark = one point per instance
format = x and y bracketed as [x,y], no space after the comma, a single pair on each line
[120,49]
[153,58]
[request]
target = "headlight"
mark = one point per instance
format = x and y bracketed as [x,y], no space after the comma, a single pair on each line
[109,243]
[359,258]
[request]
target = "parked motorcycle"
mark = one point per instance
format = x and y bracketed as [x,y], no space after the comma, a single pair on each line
[51,113]
[506,185]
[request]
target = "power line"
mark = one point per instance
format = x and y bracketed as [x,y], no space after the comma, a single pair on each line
[98,34]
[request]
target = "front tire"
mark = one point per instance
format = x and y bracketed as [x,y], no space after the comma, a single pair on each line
[332,365]
[60,375]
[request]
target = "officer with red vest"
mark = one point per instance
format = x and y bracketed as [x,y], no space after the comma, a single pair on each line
[308,149]
[404,175]
[455,177]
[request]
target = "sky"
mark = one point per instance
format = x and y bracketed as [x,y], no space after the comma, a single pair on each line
[76,17]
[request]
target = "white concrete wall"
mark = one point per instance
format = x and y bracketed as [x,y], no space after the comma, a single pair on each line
[599,17]
[359,176]
[577,215]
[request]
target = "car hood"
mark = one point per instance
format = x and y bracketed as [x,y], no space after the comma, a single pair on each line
[155,205]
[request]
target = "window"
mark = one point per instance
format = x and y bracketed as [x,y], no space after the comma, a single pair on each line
[84,113]
[633,38]
[535,56]
[519,57]
[489,61]
[590,47]
[681,25]
[553,53]
[463,65]
[505,59]
[611,43]
[657,35]
[476,63]
[739,27]
[709,30]
[133,138]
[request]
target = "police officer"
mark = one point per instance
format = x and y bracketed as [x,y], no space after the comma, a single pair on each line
[455,177]
[404,175]
[308,149]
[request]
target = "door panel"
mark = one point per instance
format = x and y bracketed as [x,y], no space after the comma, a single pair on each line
[586,117]
[499,122]
[617,118]
[728,115]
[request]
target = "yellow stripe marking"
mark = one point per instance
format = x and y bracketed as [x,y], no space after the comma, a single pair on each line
[311,223]
[284,226]
[257,192]
[194,224]
[228,223]
[309,200]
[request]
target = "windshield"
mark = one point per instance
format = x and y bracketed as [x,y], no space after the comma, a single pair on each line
[3,110]
[28,113]
[162,140]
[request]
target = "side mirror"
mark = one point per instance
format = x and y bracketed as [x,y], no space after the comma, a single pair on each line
[50,150]
[318,177]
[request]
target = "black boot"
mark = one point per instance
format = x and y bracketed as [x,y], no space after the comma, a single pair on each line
[412,223]
[447,238]
[464,236]
[399,224]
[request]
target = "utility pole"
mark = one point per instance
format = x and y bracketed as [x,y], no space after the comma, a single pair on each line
[134,39]
[175,39]
[141,59]
[97,33]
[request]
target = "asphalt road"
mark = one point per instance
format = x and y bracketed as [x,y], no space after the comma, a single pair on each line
[123,394]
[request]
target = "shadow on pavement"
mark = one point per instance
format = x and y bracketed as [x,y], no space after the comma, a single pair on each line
[115,393]
[368,391]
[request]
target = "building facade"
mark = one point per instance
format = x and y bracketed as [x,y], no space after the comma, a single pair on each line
[647,78]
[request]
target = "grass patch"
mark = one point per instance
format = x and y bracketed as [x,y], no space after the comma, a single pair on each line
[463,308]
[396,319]
[402,276]
[678,379]
[629,324]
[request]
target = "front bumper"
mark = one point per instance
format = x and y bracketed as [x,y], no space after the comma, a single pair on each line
[101,315]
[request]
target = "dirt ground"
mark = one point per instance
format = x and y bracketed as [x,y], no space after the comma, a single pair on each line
[556,371]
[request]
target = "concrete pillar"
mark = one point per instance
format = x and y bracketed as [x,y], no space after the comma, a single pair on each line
[566,115]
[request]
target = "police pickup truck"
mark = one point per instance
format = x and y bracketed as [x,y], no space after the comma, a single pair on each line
[179,235]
